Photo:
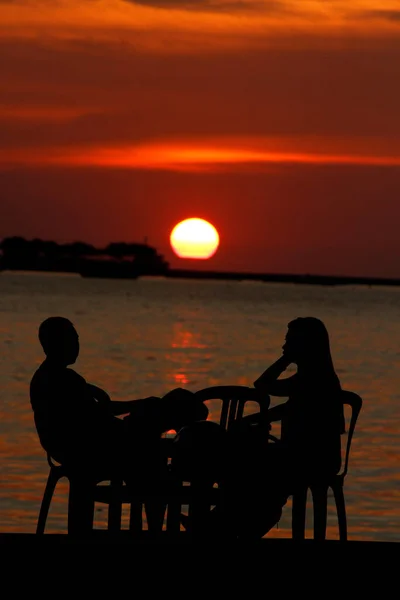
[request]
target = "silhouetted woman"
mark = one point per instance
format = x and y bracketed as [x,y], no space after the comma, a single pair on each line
[312,418]
[258,476]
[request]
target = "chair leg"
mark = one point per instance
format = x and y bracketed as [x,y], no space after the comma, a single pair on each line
[174,516]
[80,508]
[174,508]
[200,507]
[341,511]
[136,517]
[299,508]
[320,506]
[115,506]
[46,501]
[155,512]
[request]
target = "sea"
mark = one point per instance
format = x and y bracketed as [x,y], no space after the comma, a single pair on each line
[147,336]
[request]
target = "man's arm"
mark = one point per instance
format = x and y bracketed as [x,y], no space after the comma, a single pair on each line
[125,407]
[100,395]
[117,407]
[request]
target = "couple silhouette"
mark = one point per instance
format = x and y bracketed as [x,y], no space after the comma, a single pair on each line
[81,427]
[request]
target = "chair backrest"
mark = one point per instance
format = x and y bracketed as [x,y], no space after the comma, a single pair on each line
[234,398]
[355,402]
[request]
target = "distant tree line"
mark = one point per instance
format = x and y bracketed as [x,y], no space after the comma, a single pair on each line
[18,253]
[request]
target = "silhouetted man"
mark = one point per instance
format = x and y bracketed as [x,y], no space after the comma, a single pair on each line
[79,425]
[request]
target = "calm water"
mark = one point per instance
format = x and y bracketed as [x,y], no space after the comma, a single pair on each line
[144,337]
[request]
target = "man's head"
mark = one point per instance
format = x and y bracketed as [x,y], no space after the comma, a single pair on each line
[60,340]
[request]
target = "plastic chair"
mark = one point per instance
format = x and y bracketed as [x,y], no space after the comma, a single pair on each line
[82,496]
[234,398]
[320,492]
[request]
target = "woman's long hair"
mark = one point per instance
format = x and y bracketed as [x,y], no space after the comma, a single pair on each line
[314,346]
[313,343]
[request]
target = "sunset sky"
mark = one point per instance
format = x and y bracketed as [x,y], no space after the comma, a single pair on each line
[278,121]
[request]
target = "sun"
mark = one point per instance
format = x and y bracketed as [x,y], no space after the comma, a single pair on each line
[194,238]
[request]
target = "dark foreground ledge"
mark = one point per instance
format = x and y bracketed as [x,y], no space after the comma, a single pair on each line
[254,565]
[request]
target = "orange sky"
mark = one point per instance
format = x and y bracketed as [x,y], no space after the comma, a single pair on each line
[277,121]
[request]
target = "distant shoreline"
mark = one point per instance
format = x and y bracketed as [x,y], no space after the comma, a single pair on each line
[283,278]
[121,260]
[325,280]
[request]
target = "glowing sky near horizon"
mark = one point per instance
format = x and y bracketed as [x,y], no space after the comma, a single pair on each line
[247,111]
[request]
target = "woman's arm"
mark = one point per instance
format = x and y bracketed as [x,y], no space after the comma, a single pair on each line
[268,382]
[273,414]
[265,416]
[276,413]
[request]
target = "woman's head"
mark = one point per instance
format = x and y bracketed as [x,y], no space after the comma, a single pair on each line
[307,340]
